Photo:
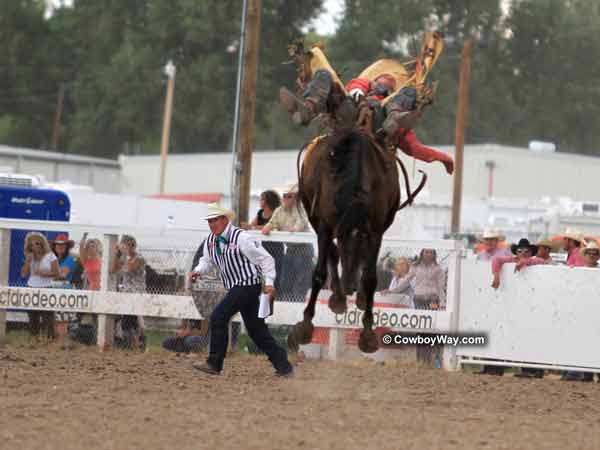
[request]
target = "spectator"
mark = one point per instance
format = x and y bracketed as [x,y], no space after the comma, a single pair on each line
[131,268]
[523,254]
[591,254]
[297,262]
[572,240]
[429,282]
[401,269]
[90,255]
[61,247]
[491,242]
[41,267]
[269,202]
[191,337]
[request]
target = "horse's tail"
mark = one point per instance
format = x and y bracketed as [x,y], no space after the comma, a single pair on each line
[350,202]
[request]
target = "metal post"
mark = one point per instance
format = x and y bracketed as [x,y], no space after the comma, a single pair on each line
[461,117]
[166,131]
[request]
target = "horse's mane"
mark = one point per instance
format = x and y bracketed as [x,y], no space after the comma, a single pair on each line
[346,165]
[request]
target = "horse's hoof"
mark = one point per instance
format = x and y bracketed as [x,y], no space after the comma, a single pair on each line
[292,343]
[361,301]
[303,332]
[368,342]
[337,303]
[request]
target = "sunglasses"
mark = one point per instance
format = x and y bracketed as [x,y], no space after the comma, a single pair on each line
[289,195]
[214,220]
[592,253]
[522,250]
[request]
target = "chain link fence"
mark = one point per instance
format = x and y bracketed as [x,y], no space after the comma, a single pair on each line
[409,278]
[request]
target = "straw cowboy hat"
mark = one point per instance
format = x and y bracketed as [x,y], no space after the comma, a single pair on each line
[62,239]
[215,210]
[552,245]
[572,233]
[492,233]
[590,247]
[524,243]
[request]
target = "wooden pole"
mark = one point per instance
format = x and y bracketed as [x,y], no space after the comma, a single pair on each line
[459,136]
[166,131]
[57,113]
[247,110]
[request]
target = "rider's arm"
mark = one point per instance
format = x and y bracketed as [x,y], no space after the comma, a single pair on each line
[362,84]
[410,145]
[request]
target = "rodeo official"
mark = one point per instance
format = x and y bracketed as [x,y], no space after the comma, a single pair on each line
[244,266]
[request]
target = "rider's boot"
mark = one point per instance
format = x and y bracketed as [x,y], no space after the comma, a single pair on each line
[400,111]
[315,98]
[302,111]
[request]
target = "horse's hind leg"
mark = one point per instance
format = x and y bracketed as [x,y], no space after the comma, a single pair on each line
[337,300]
[302,333]
[368,342]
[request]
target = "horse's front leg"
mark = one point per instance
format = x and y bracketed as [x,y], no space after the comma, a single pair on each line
[368,342]
[302,333]
[337,300]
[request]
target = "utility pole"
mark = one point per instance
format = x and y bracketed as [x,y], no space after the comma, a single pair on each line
[459,135]
[164,144]
[57,113]
[243,151]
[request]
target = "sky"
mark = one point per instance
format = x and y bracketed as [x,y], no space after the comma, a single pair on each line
[326,23]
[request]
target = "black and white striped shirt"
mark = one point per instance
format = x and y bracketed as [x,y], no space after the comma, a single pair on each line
[242,260]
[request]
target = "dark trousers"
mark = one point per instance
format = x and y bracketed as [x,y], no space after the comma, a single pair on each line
[41,321]
[243,299]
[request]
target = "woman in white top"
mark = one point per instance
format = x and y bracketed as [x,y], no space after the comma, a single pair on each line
[41,268]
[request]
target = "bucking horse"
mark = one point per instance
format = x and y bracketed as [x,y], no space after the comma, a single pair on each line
[349,187]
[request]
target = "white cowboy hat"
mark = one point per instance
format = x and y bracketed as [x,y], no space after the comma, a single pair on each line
[214,211]
[591,245]
[572,233]
[492,233]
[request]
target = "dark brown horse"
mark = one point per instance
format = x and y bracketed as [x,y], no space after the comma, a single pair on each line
[349,187]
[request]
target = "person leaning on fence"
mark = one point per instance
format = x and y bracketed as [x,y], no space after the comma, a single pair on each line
[269,202]
[297,263]
[523,254]
[401,269]
[131,268]
[41,268]
[491,245]
[591,254]
[572,240]
[246,269]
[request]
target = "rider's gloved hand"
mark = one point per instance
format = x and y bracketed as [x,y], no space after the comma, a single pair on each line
[356,95]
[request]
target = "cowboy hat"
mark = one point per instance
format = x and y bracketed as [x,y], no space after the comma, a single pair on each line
[552,245]
[574,234]
[492,233]
[524,243]
[590,246]
[62,239]
[214,211]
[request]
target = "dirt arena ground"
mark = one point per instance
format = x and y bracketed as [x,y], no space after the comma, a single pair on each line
[51,398]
